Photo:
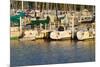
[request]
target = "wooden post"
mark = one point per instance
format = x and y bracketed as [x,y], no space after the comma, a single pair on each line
[20,25]
[54,25]
[40,26]
[45,26]
[45,32]
[50,26]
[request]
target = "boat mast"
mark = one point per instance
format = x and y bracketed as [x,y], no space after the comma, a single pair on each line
[73,22]
[35,5]
[22,5]
[73,26]
[56,7]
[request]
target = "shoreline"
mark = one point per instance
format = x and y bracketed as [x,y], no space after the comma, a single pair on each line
[14,38]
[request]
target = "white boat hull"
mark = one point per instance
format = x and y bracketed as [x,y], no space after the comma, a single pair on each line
[40,35]
[29,35]
[60,35]
[82,35]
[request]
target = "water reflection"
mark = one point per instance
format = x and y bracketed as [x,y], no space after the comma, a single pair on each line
[51,52]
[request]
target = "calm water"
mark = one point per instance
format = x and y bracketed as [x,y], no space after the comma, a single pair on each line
[51,52]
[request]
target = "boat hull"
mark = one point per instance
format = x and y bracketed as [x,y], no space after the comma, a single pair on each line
[83,35]
[29,35]
[59,35]
[14,32]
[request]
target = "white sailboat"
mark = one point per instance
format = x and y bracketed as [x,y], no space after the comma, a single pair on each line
[83,35]
[29,35]
[60,34]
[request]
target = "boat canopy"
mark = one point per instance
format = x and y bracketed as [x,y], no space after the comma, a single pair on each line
[38,22]
[16,19]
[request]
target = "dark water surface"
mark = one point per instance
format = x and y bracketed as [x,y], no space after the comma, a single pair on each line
[51,52]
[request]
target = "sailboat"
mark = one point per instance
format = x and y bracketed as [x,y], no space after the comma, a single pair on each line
[83,35]
[29,35]
[86,17]
[86,34]
[60,34]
